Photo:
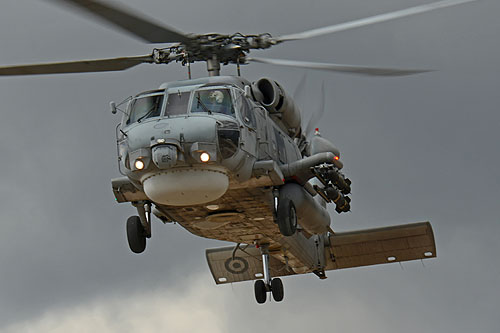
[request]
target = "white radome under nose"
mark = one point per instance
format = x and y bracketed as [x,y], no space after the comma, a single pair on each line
[184,187]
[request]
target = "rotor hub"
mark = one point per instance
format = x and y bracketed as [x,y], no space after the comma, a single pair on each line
[224,49]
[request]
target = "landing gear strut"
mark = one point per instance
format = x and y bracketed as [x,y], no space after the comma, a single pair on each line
[262,287]
[139,227]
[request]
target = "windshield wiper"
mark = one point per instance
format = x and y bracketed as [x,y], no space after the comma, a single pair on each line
[202,104]
[147,113]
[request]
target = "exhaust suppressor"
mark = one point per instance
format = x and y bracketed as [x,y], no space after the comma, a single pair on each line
[276,100]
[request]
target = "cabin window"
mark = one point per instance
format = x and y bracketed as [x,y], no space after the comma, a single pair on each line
[144,107]
[213,101]
[177,103]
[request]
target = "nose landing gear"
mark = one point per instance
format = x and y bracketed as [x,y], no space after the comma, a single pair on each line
[262,287]
[139,227]
[136,234]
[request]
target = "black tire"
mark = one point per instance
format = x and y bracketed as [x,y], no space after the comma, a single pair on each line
[287,217]
[260,291]
[136,235]
[277,289]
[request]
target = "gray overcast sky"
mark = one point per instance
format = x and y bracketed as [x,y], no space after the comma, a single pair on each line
[416,148]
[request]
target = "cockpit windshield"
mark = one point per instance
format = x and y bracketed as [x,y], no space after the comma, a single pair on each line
[177,103]
[143,107]
[213,101]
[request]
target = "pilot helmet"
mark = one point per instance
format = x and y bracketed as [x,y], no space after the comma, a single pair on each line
[216,96]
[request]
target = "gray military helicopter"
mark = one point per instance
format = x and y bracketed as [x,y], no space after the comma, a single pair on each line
[230,159]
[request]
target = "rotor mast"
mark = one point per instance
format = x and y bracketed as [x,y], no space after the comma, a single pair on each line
[213,66]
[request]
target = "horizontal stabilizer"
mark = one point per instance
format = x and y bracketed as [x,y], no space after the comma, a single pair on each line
[381,246]
[347,249]
[228,265]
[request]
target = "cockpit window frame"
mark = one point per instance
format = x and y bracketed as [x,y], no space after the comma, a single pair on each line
[235,92]
[239,100]
[213,87]
[175,92]
[126,115]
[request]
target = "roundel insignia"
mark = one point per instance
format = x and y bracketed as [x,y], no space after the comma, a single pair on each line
[236,265]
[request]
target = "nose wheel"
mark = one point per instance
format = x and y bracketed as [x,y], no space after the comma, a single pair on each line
[136,235]
[262,287]
[139,228]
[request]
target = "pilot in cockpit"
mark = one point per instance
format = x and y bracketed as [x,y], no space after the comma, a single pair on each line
[220,103]
[213,100]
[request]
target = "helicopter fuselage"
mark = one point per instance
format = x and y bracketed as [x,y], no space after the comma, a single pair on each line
[214,167]
[184,134]
[226,159]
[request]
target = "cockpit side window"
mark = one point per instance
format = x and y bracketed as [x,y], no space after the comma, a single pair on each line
[247,112]
[177,103]
[213,101]
[143,107]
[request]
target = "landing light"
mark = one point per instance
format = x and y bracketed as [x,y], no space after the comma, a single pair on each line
[204,157]
[139,165]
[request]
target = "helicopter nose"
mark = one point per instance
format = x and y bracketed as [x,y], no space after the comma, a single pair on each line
[183,165]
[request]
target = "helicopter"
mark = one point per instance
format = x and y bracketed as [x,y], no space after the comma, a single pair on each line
[231,160]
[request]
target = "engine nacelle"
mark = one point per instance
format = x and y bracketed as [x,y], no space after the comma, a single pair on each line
[276,100]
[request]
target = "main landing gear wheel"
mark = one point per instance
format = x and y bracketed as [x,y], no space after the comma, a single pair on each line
[277,289]
[260,291]
[286,217]
[262,287]
[136,235]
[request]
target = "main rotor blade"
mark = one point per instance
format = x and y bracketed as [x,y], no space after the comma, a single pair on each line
[141,27]
[81,66]
[371,20]
[348,69]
